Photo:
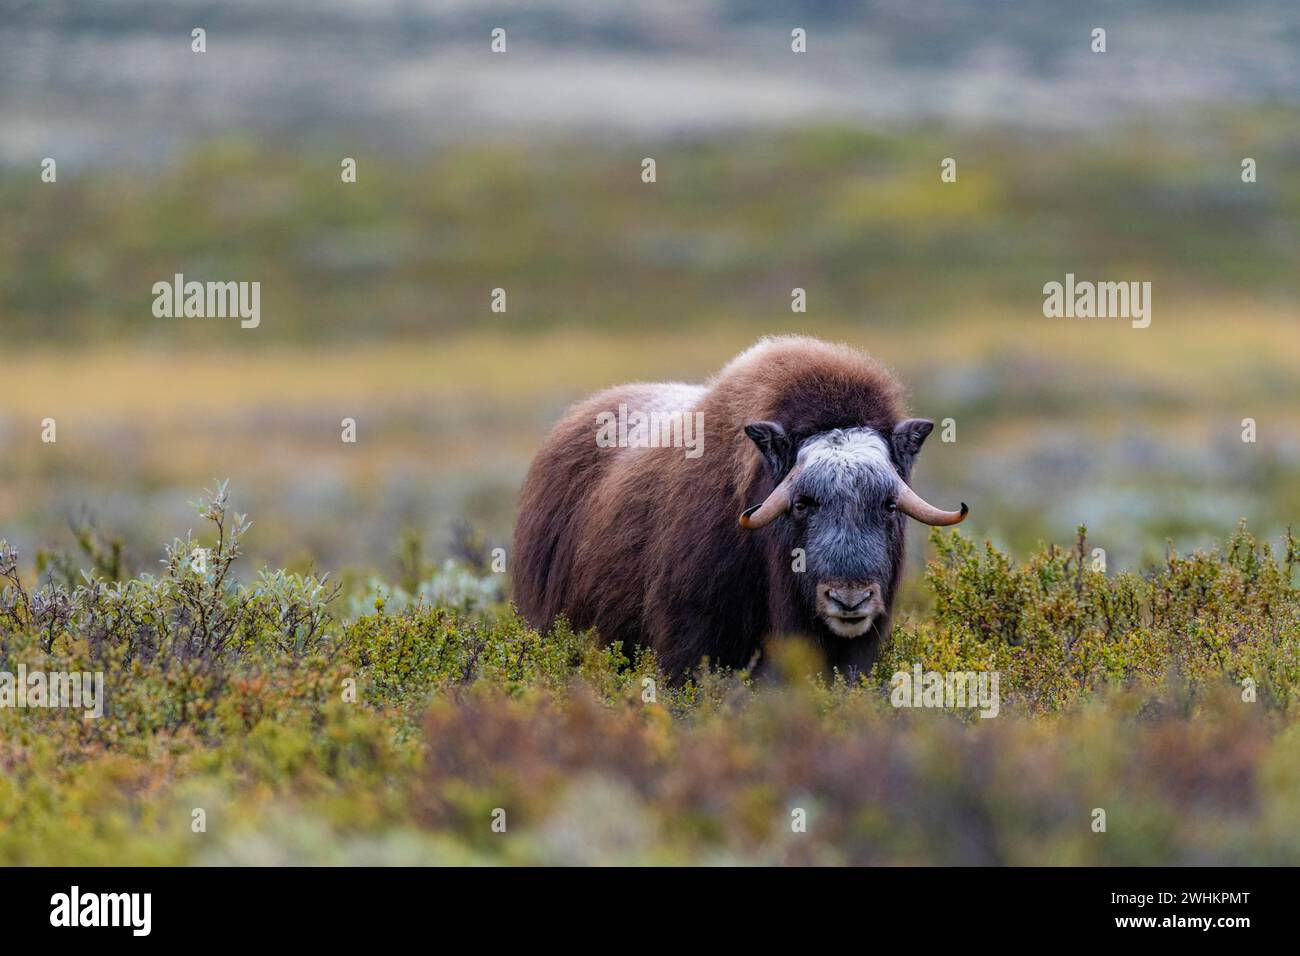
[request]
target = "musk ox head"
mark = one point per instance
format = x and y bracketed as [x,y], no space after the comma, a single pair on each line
[842,496]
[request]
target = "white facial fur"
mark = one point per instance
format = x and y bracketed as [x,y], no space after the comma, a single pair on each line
[853,469]
[844,451]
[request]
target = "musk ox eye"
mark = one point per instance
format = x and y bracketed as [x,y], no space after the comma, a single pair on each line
[802,505]
[891,507]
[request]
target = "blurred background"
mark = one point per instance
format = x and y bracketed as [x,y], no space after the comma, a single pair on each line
[522,171]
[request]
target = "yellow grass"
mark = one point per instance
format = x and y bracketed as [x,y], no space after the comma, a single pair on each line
[1198,351]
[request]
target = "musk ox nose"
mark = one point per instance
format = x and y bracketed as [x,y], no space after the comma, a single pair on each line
[849,599]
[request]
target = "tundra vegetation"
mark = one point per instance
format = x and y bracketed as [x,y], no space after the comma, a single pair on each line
[371,723]
[376,306]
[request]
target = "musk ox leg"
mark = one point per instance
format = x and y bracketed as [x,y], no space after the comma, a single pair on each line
[852,659]
[855,658]
[682,641]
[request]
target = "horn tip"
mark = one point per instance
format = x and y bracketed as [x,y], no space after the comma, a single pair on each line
[744,516]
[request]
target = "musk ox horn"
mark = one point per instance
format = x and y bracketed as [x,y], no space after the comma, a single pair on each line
[777,503]
[914,506]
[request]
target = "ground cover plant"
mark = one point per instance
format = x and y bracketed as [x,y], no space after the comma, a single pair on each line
[275,717]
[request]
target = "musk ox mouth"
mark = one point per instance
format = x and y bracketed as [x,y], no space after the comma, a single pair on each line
[848,625]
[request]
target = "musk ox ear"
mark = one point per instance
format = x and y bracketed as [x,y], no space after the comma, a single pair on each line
[908,437]
[775,444]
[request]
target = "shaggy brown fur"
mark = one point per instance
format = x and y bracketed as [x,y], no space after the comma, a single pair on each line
[643,543]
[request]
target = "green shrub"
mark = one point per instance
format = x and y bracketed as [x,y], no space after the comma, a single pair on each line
[395,734]
[1058,630]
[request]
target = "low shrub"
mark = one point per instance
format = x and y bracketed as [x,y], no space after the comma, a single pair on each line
[404,732]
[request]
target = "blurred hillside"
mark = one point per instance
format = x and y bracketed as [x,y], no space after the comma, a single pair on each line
[522,172]
[102,82]
[861,220]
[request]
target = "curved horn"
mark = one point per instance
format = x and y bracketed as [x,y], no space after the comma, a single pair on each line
[777,503]
[914,506]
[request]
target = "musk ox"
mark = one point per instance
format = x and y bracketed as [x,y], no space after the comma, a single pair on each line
[787,518]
